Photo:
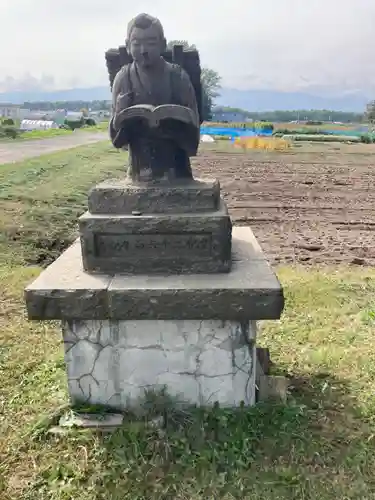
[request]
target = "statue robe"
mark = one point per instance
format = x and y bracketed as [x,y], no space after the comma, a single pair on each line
[167,84]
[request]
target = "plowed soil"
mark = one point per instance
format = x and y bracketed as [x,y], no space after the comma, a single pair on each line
[315,204]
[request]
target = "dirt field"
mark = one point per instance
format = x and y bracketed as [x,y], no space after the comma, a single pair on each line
[315,204]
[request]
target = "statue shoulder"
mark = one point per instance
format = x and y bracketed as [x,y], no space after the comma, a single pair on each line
[178,72]
[174,68]
[122,76]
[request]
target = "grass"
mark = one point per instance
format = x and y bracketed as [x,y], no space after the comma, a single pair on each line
[42,134]
[326,126]
[40,199]
[50,133]
[323,138]
[319,446]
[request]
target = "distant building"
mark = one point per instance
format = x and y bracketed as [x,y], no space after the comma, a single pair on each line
[37,125]
[58,116]
[99,115]
[37,115]
[74,116]
[13,111]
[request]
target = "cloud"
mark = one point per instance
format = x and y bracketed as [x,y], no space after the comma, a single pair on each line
[282,44]
[27,82]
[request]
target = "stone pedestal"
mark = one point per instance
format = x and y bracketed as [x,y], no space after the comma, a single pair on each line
[192,334]
[186,243]
[157,295]
[113,362]
[158,228]
[122,197]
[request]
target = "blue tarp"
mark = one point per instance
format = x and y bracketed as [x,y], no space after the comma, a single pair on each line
[240,132]
[234,132]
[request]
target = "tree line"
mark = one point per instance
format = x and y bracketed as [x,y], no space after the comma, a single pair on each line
[68,105]
[314,115]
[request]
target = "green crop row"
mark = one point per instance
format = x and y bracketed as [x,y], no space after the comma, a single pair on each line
[243,125]
[323,138]
[279,132]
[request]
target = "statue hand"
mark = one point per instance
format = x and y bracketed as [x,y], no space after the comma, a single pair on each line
[123,101]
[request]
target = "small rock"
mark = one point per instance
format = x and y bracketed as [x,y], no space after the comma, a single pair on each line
[58,431]
[358,261]
[304,258]
[273,387]
[156,423]
[311,247]
[91,421]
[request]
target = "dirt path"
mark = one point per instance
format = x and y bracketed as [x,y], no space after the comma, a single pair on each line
[302,208]
[18,151]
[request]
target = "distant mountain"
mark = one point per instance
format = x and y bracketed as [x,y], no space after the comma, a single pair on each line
[80,94]
[270,100]
[252,100]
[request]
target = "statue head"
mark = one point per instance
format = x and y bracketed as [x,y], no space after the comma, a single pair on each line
[145,40]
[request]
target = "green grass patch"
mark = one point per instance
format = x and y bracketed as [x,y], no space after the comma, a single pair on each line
[42,134]
[41,199]
[323,138]
[47,134]
[320,445]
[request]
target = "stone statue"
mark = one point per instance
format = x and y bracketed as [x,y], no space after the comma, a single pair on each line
[154,107]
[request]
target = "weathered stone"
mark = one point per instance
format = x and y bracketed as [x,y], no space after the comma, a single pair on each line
[157,244]
[250,291]
[64,290]
[273,387]
[264,359]
[115,363]
[159,122]
[91,420]
[123,197]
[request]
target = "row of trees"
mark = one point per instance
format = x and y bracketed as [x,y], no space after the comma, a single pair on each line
[314,115]
[68,105]
[370,112]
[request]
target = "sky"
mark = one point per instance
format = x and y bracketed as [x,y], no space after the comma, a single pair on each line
[269,44]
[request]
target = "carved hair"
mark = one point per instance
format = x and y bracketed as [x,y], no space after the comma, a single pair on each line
[144,21]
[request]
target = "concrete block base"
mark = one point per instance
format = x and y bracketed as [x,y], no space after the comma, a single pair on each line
[115,363]
[152,244]
[191,335]
[123,196]
[251,291]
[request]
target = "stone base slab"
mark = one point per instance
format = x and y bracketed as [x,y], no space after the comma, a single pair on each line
[273,388]
[123,197]
[251,291]
[103,422]
[119,363]
[157,244]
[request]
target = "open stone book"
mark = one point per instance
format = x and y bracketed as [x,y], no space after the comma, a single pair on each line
[154,115]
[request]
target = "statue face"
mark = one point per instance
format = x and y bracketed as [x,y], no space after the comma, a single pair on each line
[146,45]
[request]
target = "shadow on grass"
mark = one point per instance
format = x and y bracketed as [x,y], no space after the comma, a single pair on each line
[317,446]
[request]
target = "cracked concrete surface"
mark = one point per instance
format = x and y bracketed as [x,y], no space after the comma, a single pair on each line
[200,362]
